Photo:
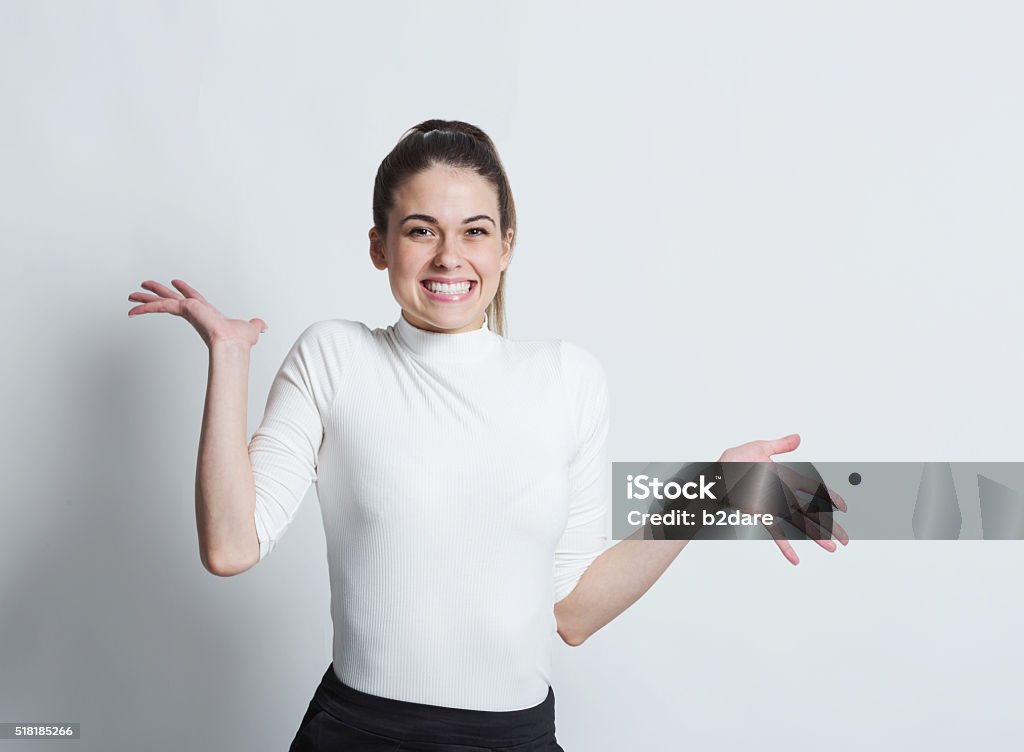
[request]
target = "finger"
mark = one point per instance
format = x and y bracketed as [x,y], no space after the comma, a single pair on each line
[812,530]
[840,533]
[838,501]
[821,537]
[783,543]
[143,297]
[187,289]
[161,305]
[784,444]
[816,512]
[161,290]
[260,323]
[832,527]
[799,482]
[817,527]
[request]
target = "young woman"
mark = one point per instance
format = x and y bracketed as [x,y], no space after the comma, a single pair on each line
[459,472]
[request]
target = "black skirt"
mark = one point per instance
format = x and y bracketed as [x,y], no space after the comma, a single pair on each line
[343,719]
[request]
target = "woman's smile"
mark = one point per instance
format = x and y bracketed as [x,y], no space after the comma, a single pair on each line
[448,290]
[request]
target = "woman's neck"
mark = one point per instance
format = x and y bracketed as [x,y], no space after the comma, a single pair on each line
[462,346]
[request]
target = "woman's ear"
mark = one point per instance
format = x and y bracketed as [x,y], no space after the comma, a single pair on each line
[377,249]
[506,250]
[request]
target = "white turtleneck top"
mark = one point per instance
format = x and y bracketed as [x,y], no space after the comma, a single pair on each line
[462,483]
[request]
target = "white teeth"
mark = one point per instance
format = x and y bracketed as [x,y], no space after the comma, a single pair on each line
[446,289]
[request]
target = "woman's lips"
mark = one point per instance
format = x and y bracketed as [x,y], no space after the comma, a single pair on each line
[446,297]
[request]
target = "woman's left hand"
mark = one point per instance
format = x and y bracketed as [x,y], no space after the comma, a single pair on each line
[762,451]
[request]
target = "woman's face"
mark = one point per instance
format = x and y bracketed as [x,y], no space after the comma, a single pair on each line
[444,252]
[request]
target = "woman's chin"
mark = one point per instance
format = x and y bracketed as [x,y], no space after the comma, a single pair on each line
[449,322]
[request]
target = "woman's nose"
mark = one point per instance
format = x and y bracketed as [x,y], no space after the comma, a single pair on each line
[448,254]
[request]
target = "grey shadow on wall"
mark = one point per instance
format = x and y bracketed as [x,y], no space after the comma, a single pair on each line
[111,620]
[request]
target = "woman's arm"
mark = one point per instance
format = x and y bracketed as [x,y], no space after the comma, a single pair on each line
[617,578]
[613,582]
[225,489]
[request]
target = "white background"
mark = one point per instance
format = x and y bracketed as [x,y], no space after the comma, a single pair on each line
[761,217]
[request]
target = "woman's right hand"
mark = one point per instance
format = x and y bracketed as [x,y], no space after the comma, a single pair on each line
[211,324]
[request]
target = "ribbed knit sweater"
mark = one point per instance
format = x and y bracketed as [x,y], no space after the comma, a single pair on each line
[462,483]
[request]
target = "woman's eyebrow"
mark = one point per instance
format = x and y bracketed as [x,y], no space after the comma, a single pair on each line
[432,220]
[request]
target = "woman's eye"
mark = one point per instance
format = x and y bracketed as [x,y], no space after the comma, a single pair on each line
[416,231]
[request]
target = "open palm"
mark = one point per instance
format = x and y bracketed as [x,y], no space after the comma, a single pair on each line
[211,324]
[818,529]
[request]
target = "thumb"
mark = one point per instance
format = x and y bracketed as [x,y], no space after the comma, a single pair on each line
[784,444]
[260,323]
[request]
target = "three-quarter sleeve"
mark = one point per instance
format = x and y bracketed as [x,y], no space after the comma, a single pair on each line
[585,535]
[284,449]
